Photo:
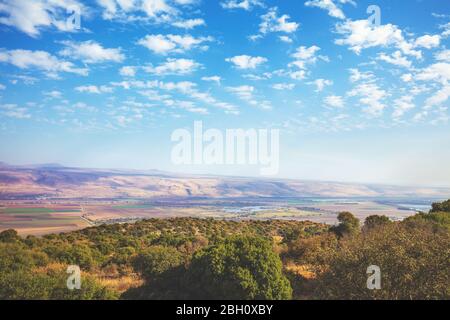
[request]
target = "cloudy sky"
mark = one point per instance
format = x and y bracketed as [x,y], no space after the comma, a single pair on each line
[354,100]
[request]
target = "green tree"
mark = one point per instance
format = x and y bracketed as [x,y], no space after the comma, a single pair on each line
[348,224]
[375,221]
[9,235]
[413,263]
[441,206]
[238,267]
[156,260]
[32,285]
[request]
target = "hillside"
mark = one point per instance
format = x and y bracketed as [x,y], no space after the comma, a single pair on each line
[57,182]
[187,258]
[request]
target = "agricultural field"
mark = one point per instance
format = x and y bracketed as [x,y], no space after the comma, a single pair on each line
[39,217]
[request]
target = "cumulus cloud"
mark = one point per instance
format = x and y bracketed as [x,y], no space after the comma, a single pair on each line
[407,77]
[428,42]
[14,111]
[443,55]
[439,72]
[446,28]
[174,67]
[303,57]
[271,22]
[246,93]
[128,71]
[165,44]
[321,84]
[55,94]
[330,6]
[246,62]
[91,52]
[371,96]
[94,89]
[356,75]
[402,105]
[132,10]
[189,23]
[285,39]
[41,60]
[439,97]
[283,86]
[31,17]
[334,101]
[190,90]
[241,4]
[215,79]
[361,34]
[396,59]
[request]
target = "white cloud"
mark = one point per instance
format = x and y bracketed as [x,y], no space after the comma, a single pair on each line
[298,75]
[330,6]
[241,4]
[31,17]
[13,111]
[285,39]
[428,42]
[446,28]
[215,79]
[283,86]
[361,34]
[439,97]
[128,71]
[2,87]
[191,107]
[189,24]
[371,96]
[246,93]
[407,77]
[271,22]
[154,8]
[186,2]
[439,72]
[246,62]
[306,54]
[55,94]
[134,10]
[189,89]
[321,83]
[334,101]
[396,59]
[165,44]
[174,67]
[91,52]
[94,89]
[402,105]
[443,55]
[356,75]
[41,60]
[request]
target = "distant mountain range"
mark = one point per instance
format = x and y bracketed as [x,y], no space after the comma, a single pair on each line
[58,182]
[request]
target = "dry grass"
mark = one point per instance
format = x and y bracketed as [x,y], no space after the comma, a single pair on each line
[304,271]
[122,283]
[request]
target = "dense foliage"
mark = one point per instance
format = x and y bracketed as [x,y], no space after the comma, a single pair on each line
[187,258]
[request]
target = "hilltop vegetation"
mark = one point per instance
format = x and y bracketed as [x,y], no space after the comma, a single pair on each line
[187,258]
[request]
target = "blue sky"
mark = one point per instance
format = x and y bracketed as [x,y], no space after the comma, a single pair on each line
[354,101]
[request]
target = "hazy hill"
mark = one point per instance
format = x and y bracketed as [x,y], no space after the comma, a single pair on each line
[54,181]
